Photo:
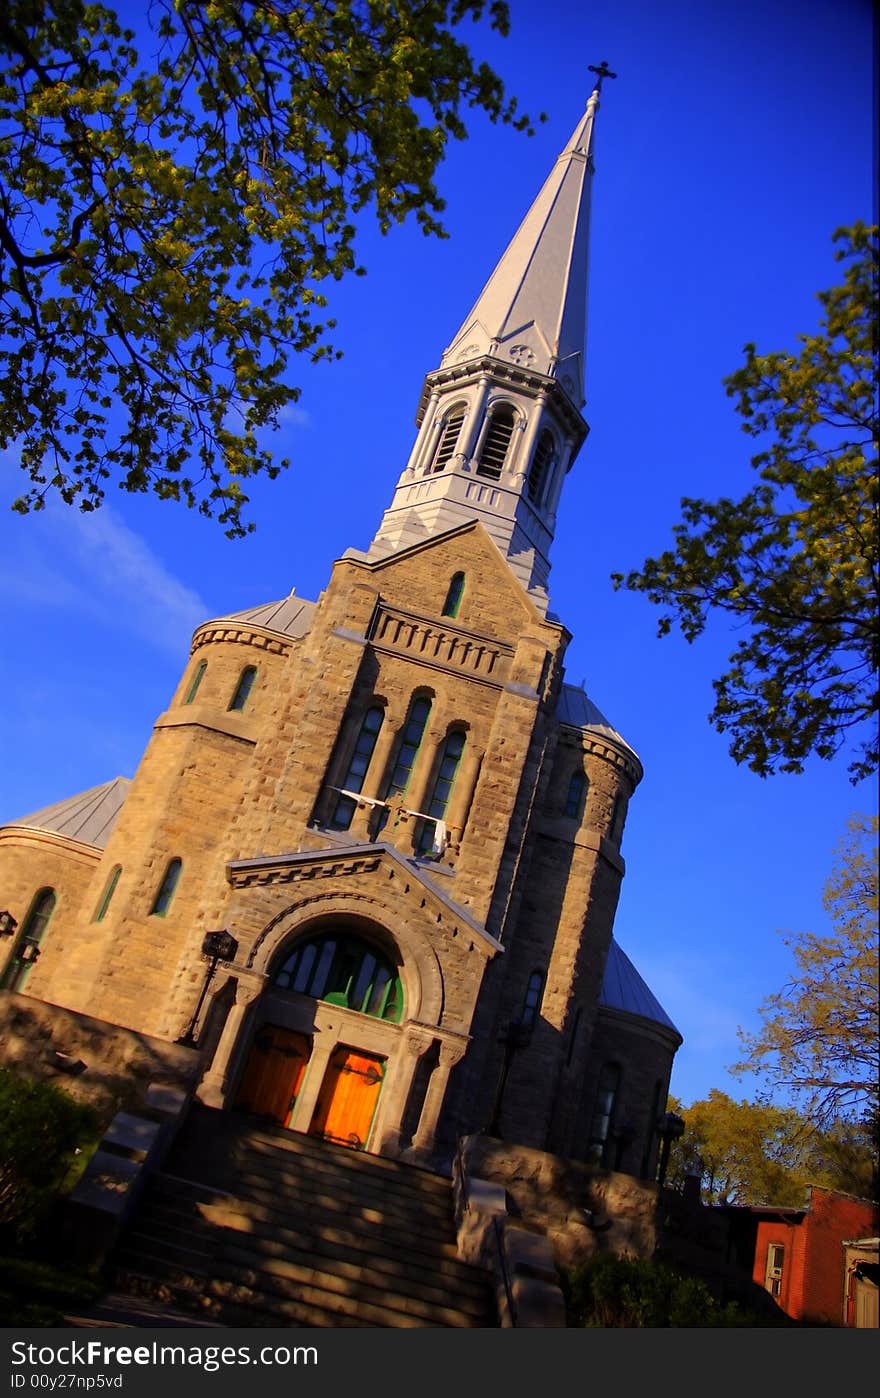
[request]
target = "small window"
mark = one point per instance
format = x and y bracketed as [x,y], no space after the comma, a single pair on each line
[443,783]
[532,1002]
[196,681]
[27,947]
[109,890]
[775,1265]
[244,687]
[454,595]
[542,461]
[574,797]
[357,767]
[167,888]
[449,439]
[493,452]
[410,742]
[603,1112]
[617,819]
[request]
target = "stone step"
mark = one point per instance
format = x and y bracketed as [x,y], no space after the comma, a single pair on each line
[204,1245]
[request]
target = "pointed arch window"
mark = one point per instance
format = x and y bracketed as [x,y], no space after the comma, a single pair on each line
[344,971]
[442,790]
[27,948]
[454,595]
[167,888]
[196,681]
[603,1112]
[493,452]
[244,687]
[542,462]
[357,767]
[448,439]
[109,890]
[410,742]
[575,795]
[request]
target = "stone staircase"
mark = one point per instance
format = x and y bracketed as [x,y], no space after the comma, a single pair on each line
[251,1225]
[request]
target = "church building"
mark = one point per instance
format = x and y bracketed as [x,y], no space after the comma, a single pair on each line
[369,863]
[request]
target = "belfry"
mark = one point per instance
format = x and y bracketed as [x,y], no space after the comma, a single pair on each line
[402,819]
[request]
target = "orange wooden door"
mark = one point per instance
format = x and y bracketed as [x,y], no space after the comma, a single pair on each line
[349,1096]
[274,1072]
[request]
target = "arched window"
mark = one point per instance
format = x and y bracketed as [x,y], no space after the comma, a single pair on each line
[448,439]
[345,971]
[244,687]
[27,948]
[357,767]
[603,1112]
[167,888]
[454,595]
[574,797]
[532,1002]
[109,890]
[196,681]
[442,790]
[542,461]
[410,742]
[493,452]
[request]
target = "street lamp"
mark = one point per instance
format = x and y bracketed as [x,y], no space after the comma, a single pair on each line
[216,947]
[670,1128]
[517,1035]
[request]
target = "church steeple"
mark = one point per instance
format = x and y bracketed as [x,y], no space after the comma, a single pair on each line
[500,421]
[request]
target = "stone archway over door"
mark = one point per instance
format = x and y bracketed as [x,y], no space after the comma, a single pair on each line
[274,1072]
[349,1097]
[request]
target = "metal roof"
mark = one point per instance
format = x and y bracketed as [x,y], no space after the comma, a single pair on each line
[292,616]
[89,816]
[577,709]
[624,989]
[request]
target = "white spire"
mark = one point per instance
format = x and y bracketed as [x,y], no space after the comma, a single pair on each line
[500,420]
[533,309]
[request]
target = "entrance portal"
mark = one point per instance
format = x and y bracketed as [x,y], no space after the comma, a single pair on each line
[274,1072]
[349,1097]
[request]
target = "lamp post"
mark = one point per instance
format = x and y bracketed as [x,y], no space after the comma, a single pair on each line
[8,924]
[216,947]
[671,1127]
[516,1036]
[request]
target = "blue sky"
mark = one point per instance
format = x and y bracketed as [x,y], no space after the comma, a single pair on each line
[734,140]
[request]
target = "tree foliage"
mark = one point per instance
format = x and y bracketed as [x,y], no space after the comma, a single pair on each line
[819,1038]
[758,1153]
[610,1292]
[166,223]
[794,562]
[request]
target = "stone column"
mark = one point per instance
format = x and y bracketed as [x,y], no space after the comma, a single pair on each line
[395,1094]
[423,1140]
[473,422]
[214,1086]
[323,1045]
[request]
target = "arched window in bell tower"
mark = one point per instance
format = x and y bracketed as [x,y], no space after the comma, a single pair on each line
[493,452]
[542,462]
[448,438]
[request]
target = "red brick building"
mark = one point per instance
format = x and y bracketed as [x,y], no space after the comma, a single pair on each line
[799,1254]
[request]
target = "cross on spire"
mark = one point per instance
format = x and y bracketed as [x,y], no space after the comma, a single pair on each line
[602,71]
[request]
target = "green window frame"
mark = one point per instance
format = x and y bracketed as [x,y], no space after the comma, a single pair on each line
[196,681]
[167,888]
[109,890]
[346,971]
[358,766]
[454,595]
[410,741]
[244,687]
[26,952]
[444,781]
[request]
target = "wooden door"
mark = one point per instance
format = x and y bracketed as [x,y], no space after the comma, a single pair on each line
[349,1097]
[274,1072]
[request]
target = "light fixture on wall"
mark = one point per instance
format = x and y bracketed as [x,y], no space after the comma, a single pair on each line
[28,952]
[216,947]
[8,924]
[670,1128]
